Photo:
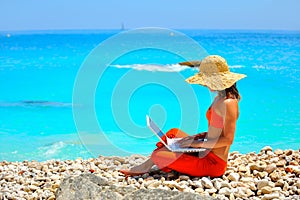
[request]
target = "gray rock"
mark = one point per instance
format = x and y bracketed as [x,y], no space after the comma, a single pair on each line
[84,186]
[155,194]
[108,195]
[92,187]
[122,190]
[191,196]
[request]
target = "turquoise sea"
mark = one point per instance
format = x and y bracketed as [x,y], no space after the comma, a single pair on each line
[45,112]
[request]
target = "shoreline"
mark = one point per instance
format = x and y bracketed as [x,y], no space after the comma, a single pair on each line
[265,175]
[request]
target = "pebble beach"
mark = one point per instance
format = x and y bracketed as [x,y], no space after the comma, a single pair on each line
[269,174]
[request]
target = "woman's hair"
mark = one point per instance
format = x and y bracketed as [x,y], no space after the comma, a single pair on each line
[231,92]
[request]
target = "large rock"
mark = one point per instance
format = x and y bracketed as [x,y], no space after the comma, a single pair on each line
[154,194]
[92,187]
[84,186]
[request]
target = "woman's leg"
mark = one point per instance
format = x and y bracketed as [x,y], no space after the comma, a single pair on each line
[189,164]
[147,165]
[140,169]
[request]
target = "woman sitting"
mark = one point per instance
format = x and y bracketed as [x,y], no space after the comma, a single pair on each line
[221,115]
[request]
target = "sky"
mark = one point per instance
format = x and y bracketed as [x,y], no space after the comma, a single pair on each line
[176,14]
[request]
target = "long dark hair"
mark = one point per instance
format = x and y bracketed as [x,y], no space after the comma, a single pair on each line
[231,92]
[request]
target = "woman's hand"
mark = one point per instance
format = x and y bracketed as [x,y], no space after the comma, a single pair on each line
[188,141]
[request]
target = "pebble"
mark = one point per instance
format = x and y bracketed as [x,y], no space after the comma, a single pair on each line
[278,152]
[262,183]
[225,191]
[266,148]
[206,182]
[258,166]
[266,190]
[234,176]
[225,184]
[217,185]
[211,191]
[184,178]
[242,168]
[270,196]
[199,190]
[275,176]
[270,168]
[281,163]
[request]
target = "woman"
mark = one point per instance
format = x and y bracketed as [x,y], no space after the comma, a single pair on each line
[222,116]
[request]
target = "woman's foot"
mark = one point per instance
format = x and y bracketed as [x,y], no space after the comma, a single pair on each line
[138,170]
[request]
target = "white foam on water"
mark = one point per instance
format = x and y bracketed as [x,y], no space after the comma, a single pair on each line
[164,68]
[52,149]
[154,67]
[274,68]
[236,66]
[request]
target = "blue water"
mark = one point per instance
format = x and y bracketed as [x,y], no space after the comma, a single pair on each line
[38,72]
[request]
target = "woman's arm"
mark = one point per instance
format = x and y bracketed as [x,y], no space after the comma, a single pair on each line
[190,139]
[225,138]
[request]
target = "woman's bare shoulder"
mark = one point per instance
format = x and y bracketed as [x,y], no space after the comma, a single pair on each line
[231,106]
[228,104]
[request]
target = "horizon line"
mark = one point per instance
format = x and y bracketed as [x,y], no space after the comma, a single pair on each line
[118,29]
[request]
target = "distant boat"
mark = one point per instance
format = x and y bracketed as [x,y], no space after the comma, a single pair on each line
[8,35]
[122,27]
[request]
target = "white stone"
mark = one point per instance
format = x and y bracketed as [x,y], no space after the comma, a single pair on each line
[276,189]
[240,192]
[246,179]
[184,178]
[270,168]
[278,152]
[188,189]
[270,196]
[266,190]
[274,160]
[206,182]
[181,187]
[225,191]
[217,185]
[266,148]
[197,184]
[140,180]
[270,154]
[170,184]
[211,191]
[225,184]
[262,183]
[234,176]
[154,184]
[252,186]
[199,190]
[33,187]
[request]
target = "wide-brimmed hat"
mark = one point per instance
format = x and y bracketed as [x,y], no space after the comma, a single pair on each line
[215,74]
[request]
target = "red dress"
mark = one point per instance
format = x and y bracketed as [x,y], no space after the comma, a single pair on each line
[190,163]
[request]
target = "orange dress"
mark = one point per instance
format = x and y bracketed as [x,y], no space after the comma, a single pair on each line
[190,163]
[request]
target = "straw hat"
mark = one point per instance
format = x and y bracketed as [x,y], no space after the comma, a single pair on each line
[214,73]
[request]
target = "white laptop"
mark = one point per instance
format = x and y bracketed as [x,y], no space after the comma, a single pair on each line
[171,142]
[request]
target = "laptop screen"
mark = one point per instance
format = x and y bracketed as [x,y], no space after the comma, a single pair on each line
[155,128]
